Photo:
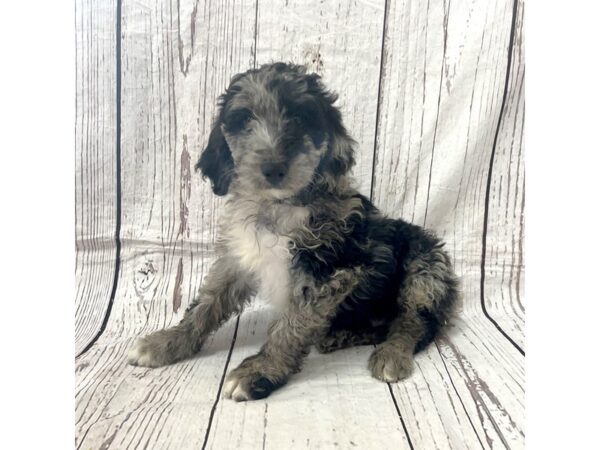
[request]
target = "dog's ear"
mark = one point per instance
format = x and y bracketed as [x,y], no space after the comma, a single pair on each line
[341,153]
[216,161]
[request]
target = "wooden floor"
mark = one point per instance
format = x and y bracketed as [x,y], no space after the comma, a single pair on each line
[433,93]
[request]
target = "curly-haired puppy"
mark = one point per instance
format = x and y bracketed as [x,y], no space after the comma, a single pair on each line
[295,232]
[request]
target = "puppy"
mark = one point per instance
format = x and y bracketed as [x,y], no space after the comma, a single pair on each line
[296,233]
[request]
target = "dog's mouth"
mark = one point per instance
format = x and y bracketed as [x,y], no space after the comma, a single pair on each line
[279,193]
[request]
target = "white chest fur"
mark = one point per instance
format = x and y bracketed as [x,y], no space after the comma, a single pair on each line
[265,252]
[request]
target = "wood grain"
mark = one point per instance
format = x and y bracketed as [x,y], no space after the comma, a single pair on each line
[489,377]
[95,175]
[434,413]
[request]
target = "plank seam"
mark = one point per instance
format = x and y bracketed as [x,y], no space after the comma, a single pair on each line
[410,444]
[437,116]
[255,33]
[214,407]
[489,179]
[379,89]
[118,182]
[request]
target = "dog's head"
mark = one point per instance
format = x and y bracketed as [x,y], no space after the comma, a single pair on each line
[277,131]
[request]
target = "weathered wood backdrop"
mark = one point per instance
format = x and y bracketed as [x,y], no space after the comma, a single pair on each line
[432,91]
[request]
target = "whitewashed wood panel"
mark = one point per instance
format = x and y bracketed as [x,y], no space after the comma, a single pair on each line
[504,265]
[443,78]
[340,40]
[433,412]
[489,377]
[332,403]
[410,89]
[95,162]
[121,406]
[177,57]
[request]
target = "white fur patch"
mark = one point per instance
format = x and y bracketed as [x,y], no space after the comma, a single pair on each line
[267,256]
[138,357]
[388,373]
[265,253]
[233,389]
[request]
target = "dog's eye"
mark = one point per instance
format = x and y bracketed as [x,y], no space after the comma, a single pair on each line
[237,120]
[305,119]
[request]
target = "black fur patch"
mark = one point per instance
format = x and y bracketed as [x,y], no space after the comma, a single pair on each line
[237,119]
[262,387]
[216,162]
[382,246]
[431,326]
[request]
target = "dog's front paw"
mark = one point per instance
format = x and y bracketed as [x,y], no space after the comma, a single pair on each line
[160,349]
[248,382]
[388,363]
[149,351]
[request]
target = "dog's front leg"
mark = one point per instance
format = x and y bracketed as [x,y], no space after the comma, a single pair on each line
[303,323]
[224,293]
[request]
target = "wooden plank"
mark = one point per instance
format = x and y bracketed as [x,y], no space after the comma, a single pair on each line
[489,377]
[410,88]
[332,403]
[121,406]
[341,41]
[504,266]
[443,78]
[176,59]
[434,413]
[95,162]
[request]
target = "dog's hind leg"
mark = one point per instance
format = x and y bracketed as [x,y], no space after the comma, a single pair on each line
[337,339]
[393,359]
[224,293]
[426,301]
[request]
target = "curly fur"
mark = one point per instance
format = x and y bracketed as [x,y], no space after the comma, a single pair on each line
[296,232]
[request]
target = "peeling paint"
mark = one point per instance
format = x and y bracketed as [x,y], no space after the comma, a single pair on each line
[177,291]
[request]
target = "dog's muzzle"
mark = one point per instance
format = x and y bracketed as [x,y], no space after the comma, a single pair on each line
[274,172]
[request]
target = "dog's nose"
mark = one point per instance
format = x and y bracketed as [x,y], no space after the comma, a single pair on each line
[274,172]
